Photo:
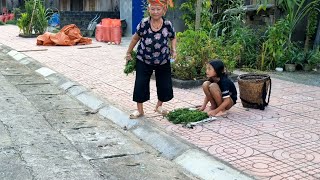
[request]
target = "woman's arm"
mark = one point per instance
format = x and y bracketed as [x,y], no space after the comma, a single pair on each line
[173,47]
[134,41]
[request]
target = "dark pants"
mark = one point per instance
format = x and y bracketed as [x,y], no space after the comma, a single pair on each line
[144,71]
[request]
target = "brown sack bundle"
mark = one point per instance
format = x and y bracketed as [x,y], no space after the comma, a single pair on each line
[69,35]
[45,40]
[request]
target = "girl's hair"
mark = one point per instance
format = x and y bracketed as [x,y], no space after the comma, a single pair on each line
[218,66]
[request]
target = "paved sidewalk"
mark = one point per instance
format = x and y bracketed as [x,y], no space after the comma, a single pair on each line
[281,142]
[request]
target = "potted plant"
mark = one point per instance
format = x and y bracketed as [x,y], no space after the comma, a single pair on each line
[307,64]
[312,60]
[33,21]
[293,55]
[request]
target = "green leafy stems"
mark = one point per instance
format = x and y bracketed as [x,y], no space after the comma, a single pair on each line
[130,66]
[185,115]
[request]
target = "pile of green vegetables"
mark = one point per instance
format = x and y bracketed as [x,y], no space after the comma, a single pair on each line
[186,115]
[130,66]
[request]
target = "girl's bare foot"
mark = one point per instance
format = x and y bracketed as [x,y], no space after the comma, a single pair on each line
[222,114]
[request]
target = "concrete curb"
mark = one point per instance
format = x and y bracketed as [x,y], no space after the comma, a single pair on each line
[207,167]
[189,157]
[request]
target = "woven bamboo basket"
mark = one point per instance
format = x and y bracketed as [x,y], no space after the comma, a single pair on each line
[254,89]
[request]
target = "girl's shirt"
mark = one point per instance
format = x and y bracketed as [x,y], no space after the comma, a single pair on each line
[227,87]
[153,48]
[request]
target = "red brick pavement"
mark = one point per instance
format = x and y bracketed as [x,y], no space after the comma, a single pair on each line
[282,142]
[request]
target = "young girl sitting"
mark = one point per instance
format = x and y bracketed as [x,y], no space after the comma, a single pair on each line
[220,91]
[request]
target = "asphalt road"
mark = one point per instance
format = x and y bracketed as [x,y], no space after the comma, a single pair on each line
[48,134]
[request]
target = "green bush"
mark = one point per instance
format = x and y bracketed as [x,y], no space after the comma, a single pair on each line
[229,53]
[294,54]
[250,40]
[189,15]
[14,22]
[194,51]
[17,13]
[273,49]
[313,58]
[1,23]
[184,115]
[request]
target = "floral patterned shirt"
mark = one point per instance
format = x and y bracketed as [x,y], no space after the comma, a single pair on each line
[153,48]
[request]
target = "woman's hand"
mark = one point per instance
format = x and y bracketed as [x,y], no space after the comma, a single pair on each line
[128,57]
[173,53]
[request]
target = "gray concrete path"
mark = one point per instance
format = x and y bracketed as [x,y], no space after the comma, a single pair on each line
[46,133]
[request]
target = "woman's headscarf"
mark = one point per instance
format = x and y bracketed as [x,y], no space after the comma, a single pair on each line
[164,3]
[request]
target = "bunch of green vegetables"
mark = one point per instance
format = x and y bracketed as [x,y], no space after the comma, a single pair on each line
[185,115]
[130,66]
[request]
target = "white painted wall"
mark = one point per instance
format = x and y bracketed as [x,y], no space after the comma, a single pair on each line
[126,13]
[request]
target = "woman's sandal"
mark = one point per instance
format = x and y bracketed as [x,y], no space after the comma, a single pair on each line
[135,115]
[161,111]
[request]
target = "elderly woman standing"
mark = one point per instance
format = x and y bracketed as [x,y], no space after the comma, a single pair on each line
[153,54]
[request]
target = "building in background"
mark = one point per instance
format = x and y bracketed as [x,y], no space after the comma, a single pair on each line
[69,5]
[87,5]
[133,10]
[81,12]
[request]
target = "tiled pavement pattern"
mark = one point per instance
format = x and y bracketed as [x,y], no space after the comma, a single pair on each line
[281,142]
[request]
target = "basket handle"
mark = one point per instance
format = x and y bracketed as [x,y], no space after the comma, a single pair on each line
[264,92]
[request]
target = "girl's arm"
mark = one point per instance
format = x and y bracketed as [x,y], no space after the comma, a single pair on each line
[134,41]
[204,104]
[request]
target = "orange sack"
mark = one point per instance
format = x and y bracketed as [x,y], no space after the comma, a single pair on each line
[69,35]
